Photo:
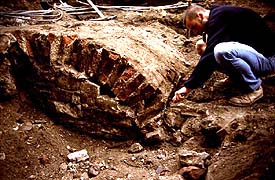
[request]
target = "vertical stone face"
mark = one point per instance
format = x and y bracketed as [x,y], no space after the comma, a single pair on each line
[118,93]
[7,82]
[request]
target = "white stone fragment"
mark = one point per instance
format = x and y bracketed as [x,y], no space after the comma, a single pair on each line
[78,156]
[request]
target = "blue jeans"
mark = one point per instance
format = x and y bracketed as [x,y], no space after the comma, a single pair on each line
[242,62]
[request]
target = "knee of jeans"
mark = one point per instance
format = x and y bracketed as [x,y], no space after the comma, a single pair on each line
[222,52]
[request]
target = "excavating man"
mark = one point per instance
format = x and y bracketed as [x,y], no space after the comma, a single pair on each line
[238,43]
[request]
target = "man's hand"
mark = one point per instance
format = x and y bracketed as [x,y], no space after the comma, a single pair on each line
[200,46]
[179,94]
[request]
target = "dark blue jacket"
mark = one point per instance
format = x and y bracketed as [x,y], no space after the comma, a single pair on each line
[229,23]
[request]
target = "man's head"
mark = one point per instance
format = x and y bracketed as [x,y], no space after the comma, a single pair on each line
[195,18]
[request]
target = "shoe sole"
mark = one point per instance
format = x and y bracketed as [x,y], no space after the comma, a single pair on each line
[248,104]
[221,85]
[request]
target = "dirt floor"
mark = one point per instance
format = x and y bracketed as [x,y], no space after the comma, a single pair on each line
[33,146]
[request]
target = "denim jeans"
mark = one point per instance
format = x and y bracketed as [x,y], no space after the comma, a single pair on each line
[242,62]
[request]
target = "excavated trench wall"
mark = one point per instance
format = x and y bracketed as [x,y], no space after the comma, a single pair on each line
[103,78]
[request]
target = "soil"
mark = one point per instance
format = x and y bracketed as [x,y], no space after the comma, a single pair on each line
[33,146]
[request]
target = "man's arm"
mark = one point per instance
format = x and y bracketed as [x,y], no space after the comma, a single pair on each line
[202,72]
[204,69]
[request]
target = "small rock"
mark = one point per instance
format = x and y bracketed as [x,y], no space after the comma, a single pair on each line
[63,167]
[84,176]
[70,149]
[94,171]
[2,156]
[192,158]
[78,156]
[177,137]
[161,170]
[32,177]
[15,128]
[72,167]
[135,148]
[44,159]
[39,121]
[158,135]
[192,172]
[27,126]
[171,177]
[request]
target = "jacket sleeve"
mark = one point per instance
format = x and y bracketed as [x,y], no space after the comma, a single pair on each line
[202,72]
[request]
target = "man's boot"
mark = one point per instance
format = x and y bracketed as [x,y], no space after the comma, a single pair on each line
[247,99]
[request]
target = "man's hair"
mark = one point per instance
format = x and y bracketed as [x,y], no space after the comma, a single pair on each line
[191,12]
